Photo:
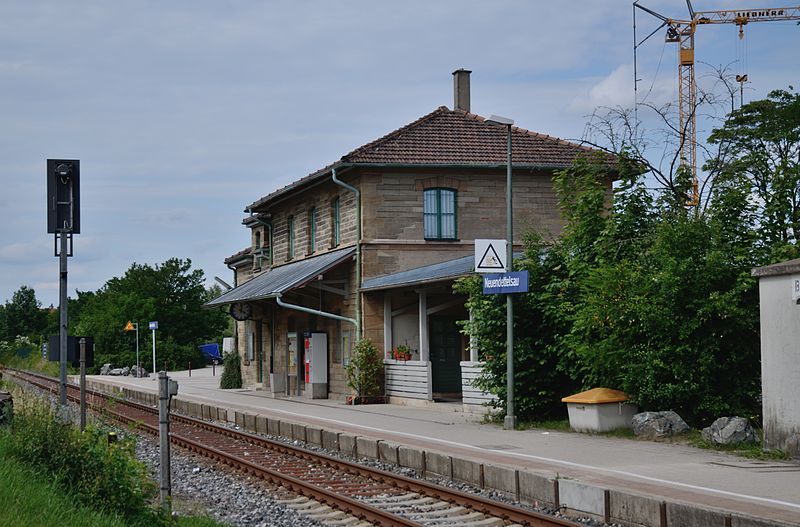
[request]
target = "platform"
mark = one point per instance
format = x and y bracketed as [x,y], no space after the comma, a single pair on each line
[700,487]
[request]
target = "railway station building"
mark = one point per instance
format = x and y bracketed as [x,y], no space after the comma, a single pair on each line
[370,246]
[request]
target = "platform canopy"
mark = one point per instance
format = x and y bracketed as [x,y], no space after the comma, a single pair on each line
[280,280]
[449,270]
[439,272]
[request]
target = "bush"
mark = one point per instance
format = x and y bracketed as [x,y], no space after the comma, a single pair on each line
[364,370]
[232,374]
[100,475]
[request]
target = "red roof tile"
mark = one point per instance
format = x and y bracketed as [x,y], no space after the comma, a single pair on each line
[239,256]
[454,138]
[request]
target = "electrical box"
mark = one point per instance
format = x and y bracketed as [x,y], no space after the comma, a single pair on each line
[316,364]
[73,350]
[63,196]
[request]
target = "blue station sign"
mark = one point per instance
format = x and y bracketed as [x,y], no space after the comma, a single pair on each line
[515,282]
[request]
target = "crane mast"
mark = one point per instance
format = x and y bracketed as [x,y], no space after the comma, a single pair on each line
[682,31]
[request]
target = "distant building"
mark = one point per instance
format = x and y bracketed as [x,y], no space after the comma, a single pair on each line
[427,191]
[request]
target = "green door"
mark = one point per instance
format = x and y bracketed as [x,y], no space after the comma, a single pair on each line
[445,346]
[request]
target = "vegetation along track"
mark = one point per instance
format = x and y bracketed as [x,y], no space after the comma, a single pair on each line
[375,496]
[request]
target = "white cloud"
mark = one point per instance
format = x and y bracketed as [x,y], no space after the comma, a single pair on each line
[613,90]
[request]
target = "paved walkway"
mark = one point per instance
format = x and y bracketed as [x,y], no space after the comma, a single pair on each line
[766,489]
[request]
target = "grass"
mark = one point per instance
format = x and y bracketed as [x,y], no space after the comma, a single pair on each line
[692,438]
[555,425]
[34,491]
[34,362]
[747,450]
[30,500]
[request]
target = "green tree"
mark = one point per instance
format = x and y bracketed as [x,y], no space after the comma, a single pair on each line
[761,157]
[23,314]
[3,323]
[171,293]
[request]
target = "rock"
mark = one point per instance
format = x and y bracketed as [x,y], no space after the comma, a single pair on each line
[730,431]
[106,369]
[651,425]
[141,372]
[126,371]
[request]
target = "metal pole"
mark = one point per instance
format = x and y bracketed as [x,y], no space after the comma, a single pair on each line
[510,421]
[62,307]
[163,438]
[154,354]
[136,327]
[82,344]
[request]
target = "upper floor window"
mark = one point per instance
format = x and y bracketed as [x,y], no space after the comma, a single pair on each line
[312,230]
[257,250]
[336,223]
[439,213]
[290,238]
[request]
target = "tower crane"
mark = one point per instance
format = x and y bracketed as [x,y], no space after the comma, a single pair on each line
[681,31]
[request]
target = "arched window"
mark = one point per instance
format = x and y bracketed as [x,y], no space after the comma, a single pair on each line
[439,214]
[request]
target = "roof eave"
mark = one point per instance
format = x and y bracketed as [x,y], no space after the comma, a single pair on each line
[415,283]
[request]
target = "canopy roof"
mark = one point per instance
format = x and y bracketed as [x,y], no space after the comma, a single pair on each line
[279,280]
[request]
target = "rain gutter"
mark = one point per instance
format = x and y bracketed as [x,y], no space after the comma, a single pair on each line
[353,189]
[310,311]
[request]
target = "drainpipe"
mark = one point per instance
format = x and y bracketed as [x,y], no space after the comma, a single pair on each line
[310,311]
[351,188]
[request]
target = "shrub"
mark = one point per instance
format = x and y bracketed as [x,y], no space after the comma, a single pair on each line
[99,475]
[364,370]
[232,373]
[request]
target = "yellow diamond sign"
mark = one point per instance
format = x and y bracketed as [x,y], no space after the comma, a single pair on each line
[129,326]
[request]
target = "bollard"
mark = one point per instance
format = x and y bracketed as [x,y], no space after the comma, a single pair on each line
[112,437]
[190,368]
[214,368]
[166,389]
[6,407]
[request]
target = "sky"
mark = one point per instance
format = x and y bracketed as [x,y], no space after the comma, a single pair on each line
[184,112]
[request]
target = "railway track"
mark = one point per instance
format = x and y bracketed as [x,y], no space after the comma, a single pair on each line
[331,490]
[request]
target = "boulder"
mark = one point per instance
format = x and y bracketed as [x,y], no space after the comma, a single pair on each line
[730,431]
[106,369]
[141,372]
[651,425]
[126,371]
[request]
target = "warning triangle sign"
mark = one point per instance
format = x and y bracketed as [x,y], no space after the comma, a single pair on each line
[490,260]
[129,326]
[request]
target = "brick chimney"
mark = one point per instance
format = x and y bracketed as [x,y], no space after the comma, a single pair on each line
[461,89]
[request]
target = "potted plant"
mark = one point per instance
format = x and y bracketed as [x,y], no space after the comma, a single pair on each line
[402,352]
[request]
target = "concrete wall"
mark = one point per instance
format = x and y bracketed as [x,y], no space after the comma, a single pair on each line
[780,363]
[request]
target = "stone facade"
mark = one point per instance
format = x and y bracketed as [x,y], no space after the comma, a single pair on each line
[392,240]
